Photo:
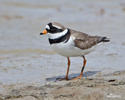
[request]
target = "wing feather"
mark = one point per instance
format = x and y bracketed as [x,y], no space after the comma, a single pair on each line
[85,41]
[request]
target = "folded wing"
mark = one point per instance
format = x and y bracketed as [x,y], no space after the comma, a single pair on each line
[85,41]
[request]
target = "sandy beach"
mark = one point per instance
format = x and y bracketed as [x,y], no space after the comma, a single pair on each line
[99,87]
[29,68]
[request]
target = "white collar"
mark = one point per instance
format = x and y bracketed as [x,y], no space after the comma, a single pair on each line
[57,35]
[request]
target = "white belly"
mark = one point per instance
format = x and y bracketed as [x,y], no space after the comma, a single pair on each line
[69,50]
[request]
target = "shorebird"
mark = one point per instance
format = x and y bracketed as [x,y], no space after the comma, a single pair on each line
[71,43]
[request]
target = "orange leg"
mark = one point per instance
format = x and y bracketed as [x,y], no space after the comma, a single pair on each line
[84,64]
[81,74]
[67,68]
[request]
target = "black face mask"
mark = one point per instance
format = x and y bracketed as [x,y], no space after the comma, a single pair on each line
[53,29]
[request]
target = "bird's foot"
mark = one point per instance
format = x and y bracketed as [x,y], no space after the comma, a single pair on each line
[61,79]
[78,77]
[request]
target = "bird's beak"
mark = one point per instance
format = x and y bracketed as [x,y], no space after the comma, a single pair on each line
[44,32]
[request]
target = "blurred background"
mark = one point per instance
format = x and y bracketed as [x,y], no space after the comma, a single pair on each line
[25,56]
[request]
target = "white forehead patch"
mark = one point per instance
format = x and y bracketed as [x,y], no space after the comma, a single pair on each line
[57,27]
[47,27]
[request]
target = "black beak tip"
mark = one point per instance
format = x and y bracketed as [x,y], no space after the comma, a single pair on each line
[41,33]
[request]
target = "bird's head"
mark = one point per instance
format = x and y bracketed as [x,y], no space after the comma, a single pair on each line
[53,28]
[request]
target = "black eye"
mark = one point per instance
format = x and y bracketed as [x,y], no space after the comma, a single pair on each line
[53,29]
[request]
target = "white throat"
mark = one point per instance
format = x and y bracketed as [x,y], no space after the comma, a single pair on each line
[57,35]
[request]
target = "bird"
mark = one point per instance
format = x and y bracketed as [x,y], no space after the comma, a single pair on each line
[71,43]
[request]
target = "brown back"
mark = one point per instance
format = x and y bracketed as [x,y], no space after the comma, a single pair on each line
[83,40]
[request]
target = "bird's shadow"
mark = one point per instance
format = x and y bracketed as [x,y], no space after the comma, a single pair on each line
[71,76]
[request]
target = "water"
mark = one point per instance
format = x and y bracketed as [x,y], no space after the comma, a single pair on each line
[25,56]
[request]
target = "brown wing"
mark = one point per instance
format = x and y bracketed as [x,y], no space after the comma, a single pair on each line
[85,41]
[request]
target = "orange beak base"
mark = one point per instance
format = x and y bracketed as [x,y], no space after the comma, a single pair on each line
[44,32]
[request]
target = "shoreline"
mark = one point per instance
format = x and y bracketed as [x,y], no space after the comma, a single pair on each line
[99,87]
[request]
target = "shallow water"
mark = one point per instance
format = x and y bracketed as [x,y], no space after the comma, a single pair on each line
[25,56]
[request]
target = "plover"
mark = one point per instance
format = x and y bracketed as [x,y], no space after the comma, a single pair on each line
[70,43]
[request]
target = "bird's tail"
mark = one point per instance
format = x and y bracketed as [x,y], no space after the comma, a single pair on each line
[104,39]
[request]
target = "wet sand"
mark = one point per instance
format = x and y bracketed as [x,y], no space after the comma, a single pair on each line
[28,63]
[100,87]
